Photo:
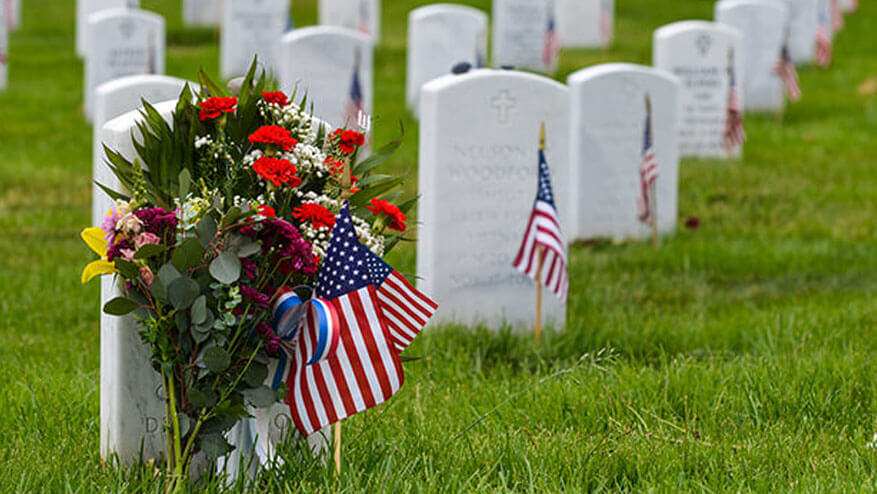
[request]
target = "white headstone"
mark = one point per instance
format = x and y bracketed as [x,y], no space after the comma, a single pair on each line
[84,8]
[116,98]
[440,36]
[4,51]
[762,24]
[251,28]
[479,141]
[334,67]
[525,34]
[848,5]
[132,400]
[122,42]
[360,15]
[608,129]
[585,23]
[700,53]
[803,16]
[202,12]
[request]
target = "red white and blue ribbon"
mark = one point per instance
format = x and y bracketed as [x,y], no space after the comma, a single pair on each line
[319,322]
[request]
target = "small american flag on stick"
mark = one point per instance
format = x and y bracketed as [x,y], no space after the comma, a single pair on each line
[823,41]
[734,133]
[542,255]
[788,74]
[355,104]
[648,173]
[551,45]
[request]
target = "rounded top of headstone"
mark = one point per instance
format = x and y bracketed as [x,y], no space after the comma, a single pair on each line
[609,69]
[461,68]
[488,76]
[778,5]
[445,8]
[325,31]
[104,15]
[123,83]
[681,27]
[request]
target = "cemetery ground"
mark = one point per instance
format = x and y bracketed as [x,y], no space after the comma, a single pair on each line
[739,356]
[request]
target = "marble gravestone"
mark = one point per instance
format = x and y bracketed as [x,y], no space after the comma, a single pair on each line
[803,16]
[4,51]
[122,42]
[585,23]
[360,15]
[202,12]
[334,67]
[762,24]
[701,53]
[525,34]
[608,129]
[12,16]
[252,28]
[848,5]
[85,8]
[478,156]
[132,401]
[439,37]
[116,98]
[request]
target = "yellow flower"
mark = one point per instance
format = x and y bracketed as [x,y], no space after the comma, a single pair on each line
[94,238]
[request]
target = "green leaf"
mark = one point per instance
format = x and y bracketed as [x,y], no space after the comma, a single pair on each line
[185,423]
[182,292]
[216,359]
[256,374]
[167,274]
[147,251]
[261,397]
[201,399]
[226,268]
[120,306]
[248,249]
[200,334]
[159,290]
[128,270]
[233,214]
[199,310]
[188,254]
[382,155]
[206,230]
[214,445]
[185,179]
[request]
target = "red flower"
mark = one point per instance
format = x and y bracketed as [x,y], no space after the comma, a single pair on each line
[276,97]
[336,169]
[396,217]
[272,134]
[266,211]
[349,140]
[277,171]
[214,107]
[316,214]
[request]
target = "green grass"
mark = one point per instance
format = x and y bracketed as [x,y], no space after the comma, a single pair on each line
[738,357]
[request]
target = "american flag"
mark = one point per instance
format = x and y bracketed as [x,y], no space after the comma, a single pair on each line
[605,21]
[788,74]
[837,17]
[648,172]
[354,105]
[544,238]
[552,42]
[823,42]
[406,309]
[365,369]
[734,133]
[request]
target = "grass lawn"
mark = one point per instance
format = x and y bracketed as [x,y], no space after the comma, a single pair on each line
[737,357]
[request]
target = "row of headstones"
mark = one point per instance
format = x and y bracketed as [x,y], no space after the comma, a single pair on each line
[10,18]
[333,65]
[479,142]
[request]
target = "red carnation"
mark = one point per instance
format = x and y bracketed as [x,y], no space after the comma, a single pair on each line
[266,211]
[390,211]
[272,134]
[275,97]
[316,214]
[349,140]
[277,171]
[214,107]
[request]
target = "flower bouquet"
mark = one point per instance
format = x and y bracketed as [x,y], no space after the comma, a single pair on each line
[219,236]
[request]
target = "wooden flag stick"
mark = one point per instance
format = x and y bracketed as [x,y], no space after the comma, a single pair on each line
[337,444]
[653,191]
[540,254]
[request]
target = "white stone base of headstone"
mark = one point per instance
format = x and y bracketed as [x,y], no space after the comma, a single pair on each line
[478,177]
[762,23]
[803,16]
[608,129]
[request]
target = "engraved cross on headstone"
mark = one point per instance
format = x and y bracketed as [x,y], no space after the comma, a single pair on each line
[503,103]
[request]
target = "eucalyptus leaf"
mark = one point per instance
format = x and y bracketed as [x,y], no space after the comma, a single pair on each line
[120,306]
[185,423]
[147,251]
[261,397]
[128,270]
[199,310]
[188,254]
[201,399]
[206,230]
[216,359]
[256,374]
[159,290]
[185,179]
[226,268]
[182,292]
[167,274]
[248,249]
[214,445]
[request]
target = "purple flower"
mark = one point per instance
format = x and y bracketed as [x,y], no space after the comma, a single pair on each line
[249,268]
[264,329]
[118,249]
[273,345]
[109,225]
[293,252]
[260,299]
[157,220]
